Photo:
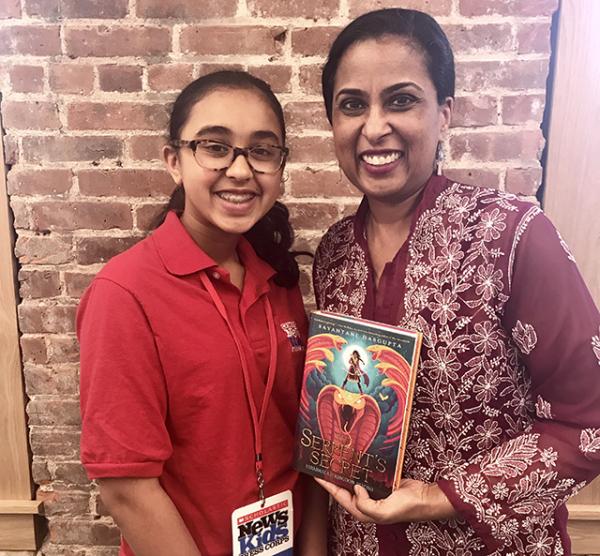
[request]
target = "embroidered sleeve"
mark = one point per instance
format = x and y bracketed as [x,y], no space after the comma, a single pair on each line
[510,493]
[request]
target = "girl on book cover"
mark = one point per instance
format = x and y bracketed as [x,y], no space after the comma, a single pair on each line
[192,341]
[505,423]
[355,372]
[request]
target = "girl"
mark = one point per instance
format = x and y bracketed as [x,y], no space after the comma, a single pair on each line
[192,341]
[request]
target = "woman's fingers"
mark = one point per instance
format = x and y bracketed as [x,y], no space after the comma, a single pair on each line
[345,499]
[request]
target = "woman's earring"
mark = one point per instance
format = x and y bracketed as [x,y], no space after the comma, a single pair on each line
[439,159]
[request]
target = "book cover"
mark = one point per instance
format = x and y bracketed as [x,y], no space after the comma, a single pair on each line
[355,403]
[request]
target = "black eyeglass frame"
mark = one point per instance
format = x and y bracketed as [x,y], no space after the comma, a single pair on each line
[237,151]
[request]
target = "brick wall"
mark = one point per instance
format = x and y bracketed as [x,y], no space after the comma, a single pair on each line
[85,90]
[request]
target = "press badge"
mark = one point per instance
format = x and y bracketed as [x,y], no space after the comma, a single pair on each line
[266,530]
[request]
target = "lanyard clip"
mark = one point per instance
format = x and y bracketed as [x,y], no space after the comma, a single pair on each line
[260,480]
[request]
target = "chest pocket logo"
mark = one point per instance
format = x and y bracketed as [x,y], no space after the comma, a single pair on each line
[293,334]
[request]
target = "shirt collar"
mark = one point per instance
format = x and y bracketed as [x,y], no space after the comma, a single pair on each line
[432,188]
[181,255]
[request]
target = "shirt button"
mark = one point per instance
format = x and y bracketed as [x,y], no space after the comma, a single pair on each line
[216,275]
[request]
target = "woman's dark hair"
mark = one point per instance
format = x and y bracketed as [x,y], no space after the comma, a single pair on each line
[418,28]
[272,236]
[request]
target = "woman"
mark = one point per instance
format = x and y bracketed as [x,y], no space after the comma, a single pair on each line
[192,341]
[506,417]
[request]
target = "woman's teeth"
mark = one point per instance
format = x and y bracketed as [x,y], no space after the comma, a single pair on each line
[236,197]
[381,159]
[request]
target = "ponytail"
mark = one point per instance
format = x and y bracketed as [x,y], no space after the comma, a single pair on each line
[176,203]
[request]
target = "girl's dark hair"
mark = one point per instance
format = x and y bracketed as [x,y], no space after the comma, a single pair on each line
[272,236]
[418,28]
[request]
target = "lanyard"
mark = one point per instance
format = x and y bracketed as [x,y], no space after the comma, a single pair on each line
[257,420]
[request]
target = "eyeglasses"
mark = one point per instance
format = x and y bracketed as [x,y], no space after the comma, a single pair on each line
[214,155]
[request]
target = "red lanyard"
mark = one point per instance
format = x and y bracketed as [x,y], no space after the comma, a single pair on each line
[257,420]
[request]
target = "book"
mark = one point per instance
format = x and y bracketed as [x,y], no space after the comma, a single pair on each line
[355,403]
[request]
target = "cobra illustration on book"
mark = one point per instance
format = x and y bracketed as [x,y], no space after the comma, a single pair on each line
[355,404]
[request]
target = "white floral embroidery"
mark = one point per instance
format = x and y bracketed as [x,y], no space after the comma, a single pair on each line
[564,245]
[589,441]
[543,409]
[596,346]
[525,337]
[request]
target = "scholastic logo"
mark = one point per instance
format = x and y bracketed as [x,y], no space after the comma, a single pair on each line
[264,529]
[291,330]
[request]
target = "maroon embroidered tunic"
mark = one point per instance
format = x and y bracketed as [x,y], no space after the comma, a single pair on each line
[506,414]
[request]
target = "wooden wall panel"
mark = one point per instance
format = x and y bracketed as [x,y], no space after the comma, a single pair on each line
[572,198]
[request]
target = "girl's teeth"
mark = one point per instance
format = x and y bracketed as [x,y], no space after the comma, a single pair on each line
[380,160]
[236,197]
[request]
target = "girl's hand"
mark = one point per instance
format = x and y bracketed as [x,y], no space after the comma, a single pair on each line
[413,501]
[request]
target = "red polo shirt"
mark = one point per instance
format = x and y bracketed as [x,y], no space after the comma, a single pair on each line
[162,392]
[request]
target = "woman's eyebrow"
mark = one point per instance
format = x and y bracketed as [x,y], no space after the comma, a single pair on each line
[399,86]
[358,92]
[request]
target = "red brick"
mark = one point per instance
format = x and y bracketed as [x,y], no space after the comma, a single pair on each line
[480,38]
[70,149]
[116,115]
[33,350]
[228,39]
[118,41]
[76,283]
[36,319]
[147,214]
[21,214]
[306,241]
[533,37]
[170,77]
[71,78]
[39,283]
[11,150]
[311,149]
[30,115]
[312,216]
[10,8]
[34,40]
[54,381]
[125,183]
[313,41]
[218,66]
[522,108]
[207,9]
[310,79]
[27,79]
[64,215]
[44,411]
[293,8]
[523,181]
[40,473]
[62,349]
[92,250]
[48,9]
[146,147]
[43,250]
[278,77]
[39,182]
[115,9]
[120,78]
[516,75]
[70,472]
[64,502]
[514,8]
[54,442]
[305,283]
[312,182]
[300,116]
[476,110]
[475,176]
[432,7]
[494,147]
[84,531]
[349,209]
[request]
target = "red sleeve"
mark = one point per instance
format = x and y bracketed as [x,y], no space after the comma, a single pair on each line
[123,393]
[555,327]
